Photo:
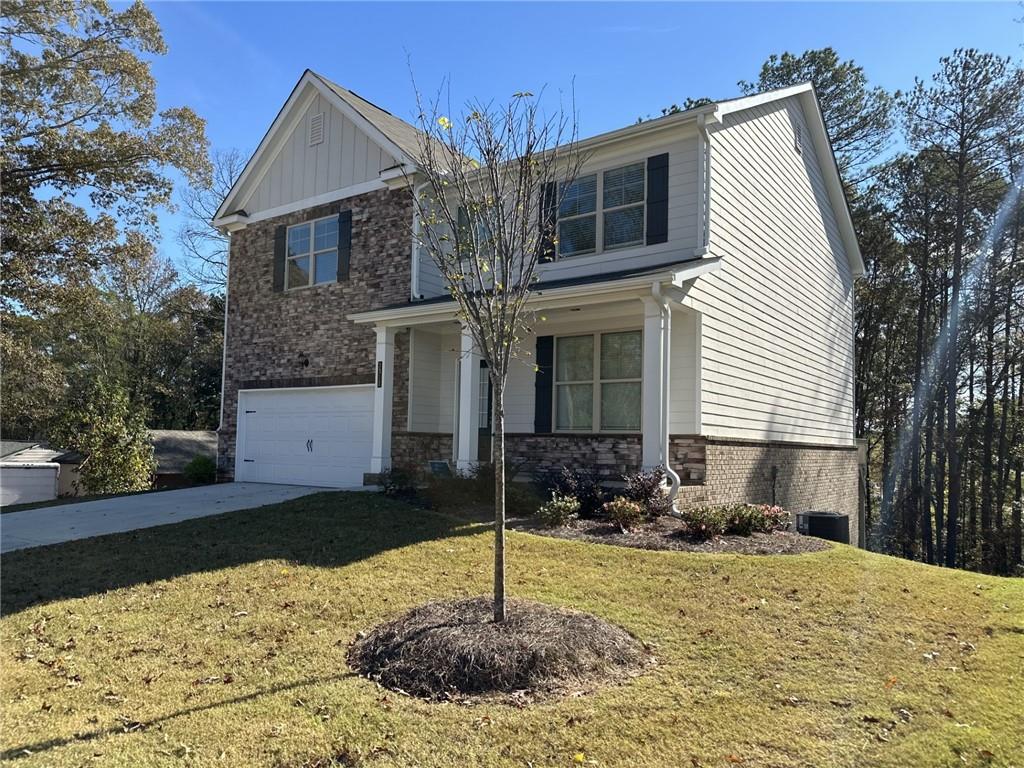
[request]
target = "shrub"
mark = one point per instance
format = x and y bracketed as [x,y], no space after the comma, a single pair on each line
[397,482]
[102,424]
[202,470]
[734,519]
[520,500]
[559,511]
[648,490]
[584,484]
[624,512]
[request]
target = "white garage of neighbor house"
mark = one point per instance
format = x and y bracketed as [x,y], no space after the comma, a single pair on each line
[305,436]
[31,471]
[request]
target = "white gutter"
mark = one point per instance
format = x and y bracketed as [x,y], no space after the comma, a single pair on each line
[666,322]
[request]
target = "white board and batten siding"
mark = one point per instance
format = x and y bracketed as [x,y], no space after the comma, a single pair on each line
[777,319]
[344,158]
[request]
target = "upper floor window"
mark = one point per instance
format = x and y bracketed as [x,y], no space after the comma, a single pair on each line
[312,253]
[584,227]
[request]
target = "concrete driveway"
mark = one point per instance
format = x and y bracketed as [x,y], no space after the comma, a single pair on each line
[67,522]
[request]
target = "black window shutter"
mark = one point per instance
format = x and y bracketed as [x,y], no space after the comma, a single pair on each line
[344,244]
[543,383]
[548,216]
[280,233]
[657,199]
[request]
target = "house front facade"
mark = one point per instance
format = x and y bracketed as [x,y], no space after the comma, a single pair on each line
[697,313]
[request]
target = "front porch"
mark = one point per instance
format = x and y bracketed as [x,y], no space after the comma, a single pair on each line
[608,379]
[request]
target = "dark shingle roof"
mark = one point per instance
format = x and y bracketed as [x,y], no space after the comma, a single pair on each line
[174,448]
[11,447]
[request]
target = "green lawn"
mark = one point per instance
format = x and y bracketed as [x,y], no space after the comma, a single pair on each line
[222,641]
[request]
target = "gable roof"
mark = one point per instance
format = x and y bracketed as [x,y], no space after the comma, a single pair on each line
[402,140]
[396,137]
[402,134]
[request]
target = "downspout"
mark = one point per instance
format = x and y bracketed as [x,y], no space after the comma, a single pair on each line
[666,324]
[414,282]
[704,186]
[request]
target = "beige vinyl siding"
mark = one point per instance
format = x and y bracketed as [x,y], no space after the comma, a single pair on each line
[684,375]
[777,318]
[432,381]
[345,158]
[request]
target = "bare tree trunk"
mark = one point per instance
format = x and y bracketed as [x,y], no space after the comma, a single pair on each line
[952,357]
[498,457]
[927,546]
[988,429]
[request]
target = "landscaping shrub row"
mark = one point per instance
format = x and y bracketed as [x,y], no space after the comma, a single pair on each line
[573,494]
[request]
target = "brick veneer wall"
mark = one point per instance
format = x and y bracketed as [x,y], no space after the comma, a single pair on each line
[610,455]
[302,337]
[795,476]
[415,449]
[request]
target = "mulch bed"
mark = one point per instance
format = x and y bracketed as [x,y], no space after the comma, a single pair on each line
[668,533]
[453,651]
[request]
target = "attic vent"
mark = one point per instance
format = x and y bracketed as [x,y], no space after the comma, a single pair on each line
[316,129]
[798,139]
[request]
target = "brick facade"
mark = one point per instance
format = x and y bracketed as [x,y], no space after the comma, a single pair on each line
[302,337]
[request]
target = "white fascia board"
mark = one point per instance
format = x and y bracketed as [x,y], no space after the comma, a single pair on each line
[575,295]
[724,108]
[308,202]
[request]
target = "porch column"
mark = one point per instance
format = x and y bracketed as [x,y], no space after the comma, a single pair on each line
[468,438]
[384,381]
[653,421]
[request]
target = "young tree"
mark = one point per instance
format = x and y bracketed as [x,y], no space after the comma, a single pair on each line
[488,185]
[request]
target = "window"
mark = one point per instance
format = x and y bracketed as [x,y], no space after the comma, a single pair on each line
[312,253]
[618,223]
[597,381]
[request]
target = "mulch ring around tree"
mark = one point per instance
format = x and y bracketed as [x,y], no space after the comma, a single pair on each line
[669,533]
[454,651]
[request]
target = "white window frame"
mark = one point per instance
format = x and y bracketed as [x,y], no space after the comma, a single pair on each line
[596,382]
[311,253]
[599,214]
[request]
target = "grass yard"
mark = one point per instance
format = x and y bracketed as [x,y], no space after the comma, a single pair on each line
[222,641]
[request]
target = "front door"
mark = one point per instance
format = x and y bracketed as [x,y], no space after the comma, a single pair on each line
[485,403]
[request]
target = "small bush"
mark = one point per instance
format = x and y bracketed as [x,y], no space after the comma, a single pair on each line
[397,482]
[648,490]
[582,483]
[734,519]
[202,470]
[625,513]
[559,511]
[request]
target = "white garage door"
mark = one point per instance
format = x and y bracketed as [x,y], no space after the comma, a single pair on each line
[317,436]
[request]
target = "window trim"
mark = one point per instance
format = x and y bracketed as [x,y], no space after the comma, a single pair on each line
[595,382]
[599,214]
[311,253]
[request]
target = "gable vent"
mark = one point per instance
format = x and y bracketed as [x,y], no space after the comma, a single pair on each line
[316,129]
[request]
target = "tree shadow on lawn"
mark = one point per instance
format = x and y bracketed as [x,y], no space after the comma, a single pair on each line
[325,529]
[27,750]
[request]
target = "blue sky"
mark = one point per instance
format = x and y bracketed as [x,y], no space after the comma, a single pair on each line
[235,62]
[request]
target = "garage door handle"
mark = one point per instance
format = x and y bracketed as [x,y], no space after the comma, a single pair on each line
[309,446]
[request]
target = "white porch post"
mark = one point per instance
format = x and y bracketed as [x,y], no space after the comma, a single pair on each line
[468,439]
[382,399]
[657,329]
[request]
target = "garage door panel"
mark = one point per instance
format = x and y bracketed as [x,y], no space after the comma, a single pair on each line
[309,437]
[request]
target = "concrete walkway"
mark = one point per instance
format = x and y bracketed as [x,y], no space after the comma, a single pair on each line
[67,522]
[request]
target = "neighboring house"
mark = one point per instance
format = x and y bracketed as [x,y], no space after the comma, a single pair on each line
[173,449]
[32,471]
[701,299]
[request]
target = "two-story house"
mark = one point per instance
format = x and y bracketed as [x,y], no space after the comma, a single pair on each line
[698,312]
